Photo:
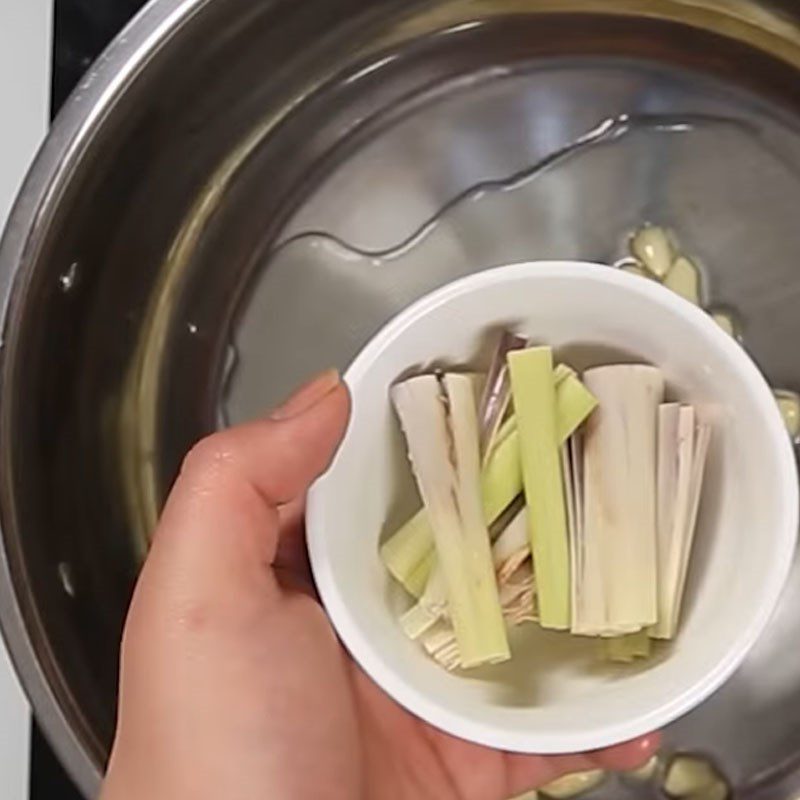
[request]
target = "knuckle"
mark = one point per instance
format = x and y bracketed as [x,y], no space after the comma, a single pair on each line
[209,457]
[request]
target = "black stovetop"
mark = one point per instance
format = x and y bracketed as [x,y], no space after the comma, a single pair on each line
[81,29]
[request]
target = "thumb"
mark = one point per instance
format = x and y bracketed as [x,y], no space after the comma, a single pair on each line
[232,482]
[219,529]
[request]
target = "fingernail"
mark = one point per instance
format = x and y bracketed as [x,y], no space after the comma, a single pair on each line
[309,395]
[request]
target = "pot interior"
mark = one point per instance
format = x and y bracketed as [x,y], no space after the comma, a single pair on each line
[272,186]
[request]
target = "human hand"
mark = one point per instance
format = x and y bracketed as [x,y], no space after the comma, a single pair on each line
[233,685]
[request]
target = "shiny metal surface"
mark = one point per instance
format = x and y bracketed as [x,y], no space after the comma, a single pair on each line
[142,275]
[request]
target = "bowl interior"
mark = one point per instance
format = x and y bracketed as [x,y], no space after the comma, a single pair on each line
[556,694]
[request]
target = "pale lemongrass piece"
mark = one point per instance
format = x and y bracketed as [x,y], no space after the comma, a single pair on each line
[676,427]
[789,406]
[589,617]
[534,397]
[442,436]
[572,785]
[496,393]
[506,518]
[440,643]
[652,247]
[513,539]
[702,441]
[409,555]
[687,775]
[511,564]
[620,491]
[428,609]
[574,462]
[684,279]
[567,479]
[627,649]
[520,582]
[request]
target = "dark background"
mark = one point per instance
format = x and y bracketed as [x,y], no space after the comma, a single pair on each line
[81,30]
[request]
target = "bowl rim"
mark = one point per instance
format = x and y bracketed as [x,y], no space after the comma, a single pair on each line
[688,697]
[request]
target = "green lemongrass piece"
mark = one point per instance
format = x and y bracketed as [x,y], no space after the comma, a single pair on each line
[518,600]
[416,580]
[408,554]
[574,404]
[627,649]
[510,550]
[439,419]
[534,395]
[431,606]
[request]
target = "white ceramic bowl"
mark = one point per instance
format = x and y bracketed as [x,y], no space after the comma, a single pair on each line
[554,696]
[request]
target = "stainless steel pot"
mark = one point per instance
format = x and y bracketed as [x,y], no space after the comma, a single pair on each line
[230,199]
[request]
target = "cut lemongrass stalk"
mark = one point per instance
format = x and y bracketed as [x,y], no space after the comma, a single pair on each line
[409,555]
[683,278]
[574,784]
[676,428]
[574,462]
[574,403]
[407,549]
[620,493]
[570,501]
[431,606]
[509,552]
[496,392]
[518,600]
[439,419]
[676,530]
[534,396]
[512,547]
[507,517]
[416,580]
[629,648]
[652,248]
[680,547]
